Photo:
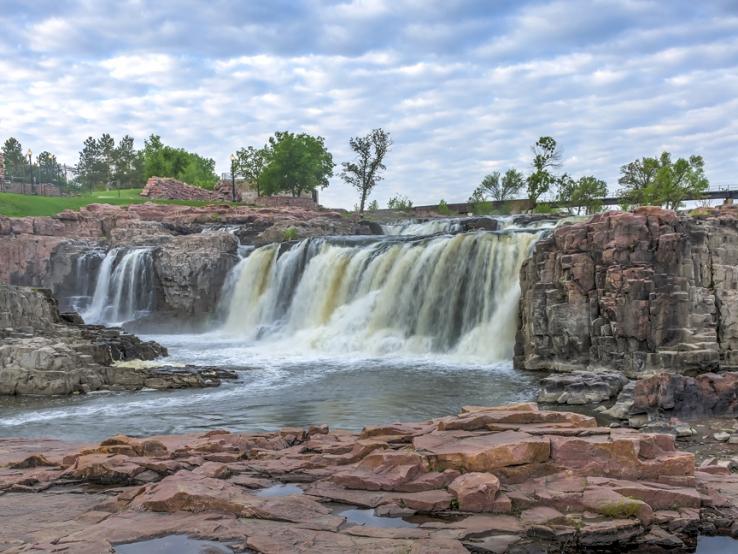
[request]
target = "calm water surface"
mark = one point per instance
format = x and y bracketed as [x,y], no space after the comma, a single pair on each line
[277,387]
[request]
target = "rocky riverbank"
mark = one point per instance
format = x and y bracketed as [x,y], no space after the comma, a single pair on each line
[505,479]
[45,352]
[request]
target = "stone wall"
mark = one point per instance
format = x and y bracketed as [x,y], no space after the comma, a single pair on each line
[166,188]
[638,292]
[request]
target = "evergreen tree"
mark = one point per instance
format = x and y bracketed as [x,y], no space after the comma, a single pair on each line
[16,163]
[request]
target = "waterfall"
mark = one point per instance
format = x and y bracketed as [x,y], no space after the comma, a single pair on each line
[124,289]
[454,295]
[81,281]
[423,228]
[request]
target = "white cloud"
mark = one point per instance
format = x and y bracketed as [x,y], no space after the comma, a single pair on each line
[464,88]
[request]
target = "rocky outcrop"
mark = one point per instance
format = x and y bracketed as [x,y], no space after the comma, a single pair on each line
[637,292]
[193,247]
[43,352]
[705,395]
[302,490]
[581,387]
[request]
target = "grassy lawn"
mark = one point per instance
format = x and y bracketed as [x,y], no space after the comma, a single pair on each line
[18,205]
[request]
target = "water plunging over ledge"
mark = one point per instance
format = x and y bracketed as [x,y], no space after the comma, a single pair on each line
[348,331]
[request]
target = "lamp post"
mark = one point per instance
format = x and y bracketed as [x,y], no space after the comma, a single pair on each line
[233,177]
[30,165]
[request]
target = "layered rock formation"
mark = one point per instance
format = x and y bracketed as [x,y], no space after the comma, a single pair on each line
[505,479]
[193,247]
[43,352]
[637,292]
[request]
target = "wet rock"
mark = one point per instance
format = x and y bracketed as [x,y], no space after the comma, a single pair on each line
[581,387]
[595,488]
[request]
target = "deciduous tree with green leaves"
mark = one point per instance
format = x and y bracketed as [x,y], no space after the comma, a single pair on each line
[249,165]
[500,187]
[583,193]
[161,160]
[296,163]
[365,171]
[662,181]
[546,157]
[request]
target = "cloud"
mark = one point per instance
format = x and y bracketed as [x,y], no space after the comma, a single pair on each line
[464,86]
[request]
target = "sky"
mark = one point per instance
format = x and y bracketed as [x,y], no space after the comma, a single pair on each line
[464,87]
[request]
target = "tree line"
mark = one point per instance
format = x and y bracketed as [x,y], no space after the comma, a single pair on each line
[19,166]
[659,181]
[299,163]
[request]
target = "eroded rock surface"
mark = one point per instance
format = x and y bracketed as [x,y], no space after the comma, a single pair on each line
[585,487]
[193,248]
[43,352]
[638,292]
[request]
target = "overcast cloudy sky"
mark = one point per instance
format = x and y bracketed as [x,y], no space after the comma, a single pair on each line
[465,87]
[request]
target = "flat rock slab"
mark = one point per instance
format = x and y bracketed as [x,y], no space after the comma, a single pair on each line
[476,489]
[482,453]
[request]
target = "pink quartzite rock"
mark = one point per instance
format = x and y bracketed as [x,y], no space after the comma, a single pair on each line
[475,491]
[482,452]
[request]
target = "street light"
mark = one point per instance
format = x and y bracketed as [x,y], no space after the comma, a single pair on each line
[30,164]
[233,177]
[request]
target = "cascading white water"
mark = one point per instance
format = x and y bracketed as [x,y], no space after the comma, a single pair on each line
[124,289]
[423,228]
[454,295]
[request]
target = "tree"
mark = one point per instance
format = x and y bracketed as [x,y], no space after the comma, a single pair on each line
[586,192]
[166,161]
[250,163]
[49,170]
[89,167]
[106,149]
[661,181]
[495,187]
[16,163]
[546,156]
[400,202]
[127,164]
[365,172]
[296,164]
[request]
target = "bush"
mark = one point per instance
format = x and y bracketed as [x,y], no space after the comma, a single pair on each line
[545,208]
[289,234]
[400,202]
[443,208]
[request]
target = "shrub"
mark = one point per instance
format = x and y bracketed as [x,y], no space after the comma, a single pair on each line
[443,208]
[289,234]
[400,202]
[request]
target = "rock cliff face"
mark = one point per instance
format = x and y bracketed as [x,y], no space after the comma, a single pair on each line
[193,248]
[637,292]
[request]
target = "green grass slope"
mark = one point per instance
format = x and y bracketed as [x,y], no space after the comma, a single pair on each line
[19,205]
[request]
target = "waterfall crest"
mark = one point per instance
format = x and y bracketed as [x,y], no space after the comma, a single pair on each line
[124,289]
[452,295]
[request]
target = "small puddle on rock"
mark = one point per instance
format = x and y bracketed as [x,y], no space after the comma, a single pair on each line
[370,519]
[279,490]
[173,544]
[716,545]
